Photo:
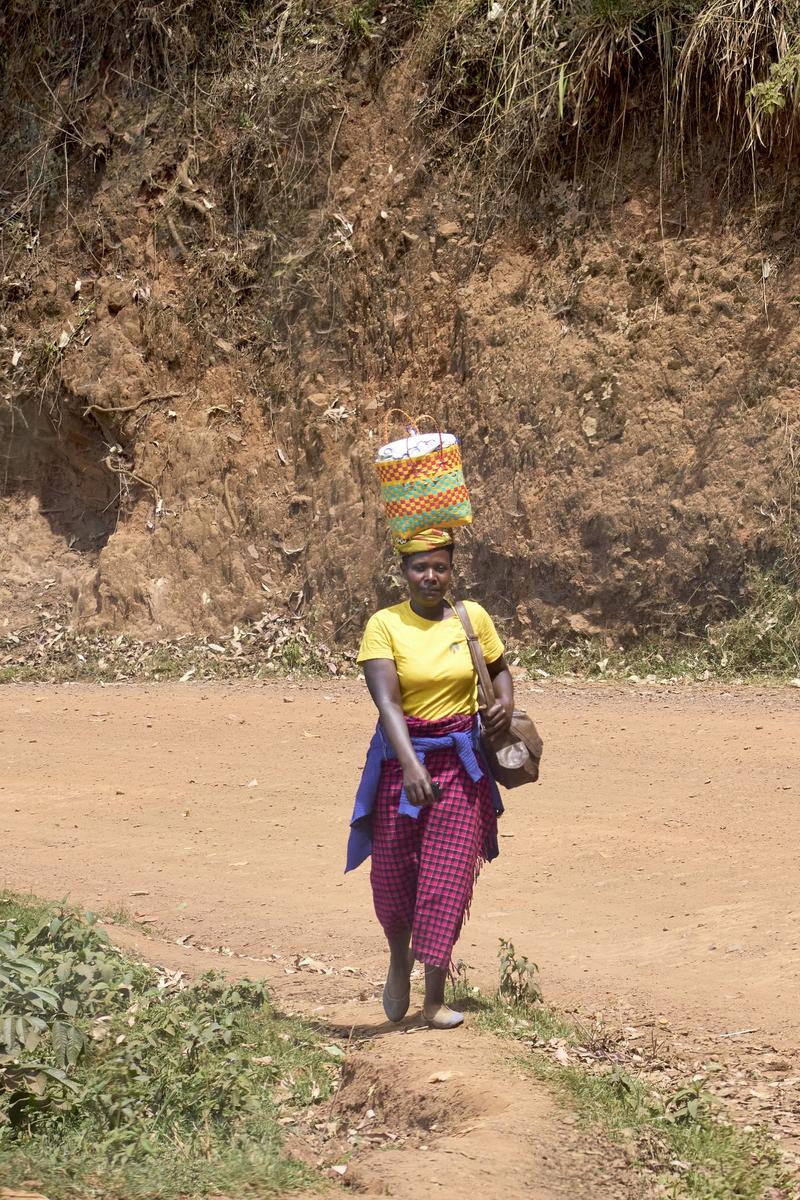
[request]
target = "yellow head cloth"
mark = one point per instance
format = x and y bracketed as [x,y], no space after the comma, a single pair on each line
[423,540]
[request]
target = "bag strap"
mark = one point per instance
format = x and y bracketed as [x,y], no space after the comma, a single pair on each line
[478,660]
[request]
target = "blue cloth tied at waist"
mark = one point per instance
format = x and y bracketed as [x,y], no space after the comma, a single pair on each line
[460,742]
[466,744]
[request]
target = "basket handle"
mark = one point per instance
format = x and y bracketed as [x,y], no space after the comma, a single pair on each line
[430,417]
[410,423]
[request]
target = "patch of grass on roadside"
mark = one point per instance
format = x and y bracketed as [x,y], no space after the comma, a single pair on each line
[119,914]
[680,1138]
[26,910]
[761,644]
[116,1079]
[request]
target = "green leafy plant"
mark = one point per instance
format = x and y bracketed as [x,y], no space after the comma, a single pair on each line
[780,87]
[116,1079]
[360,22]
[689,1103]
[519,977]
[48,972]
[462,993]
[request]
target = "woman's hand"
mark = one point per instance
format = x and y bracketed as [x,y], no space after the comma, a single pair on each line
[496,720]
[384,687]
[418,785]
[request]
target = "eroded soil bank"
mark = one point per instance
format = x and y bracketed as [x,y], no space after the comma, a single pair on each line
[232,240]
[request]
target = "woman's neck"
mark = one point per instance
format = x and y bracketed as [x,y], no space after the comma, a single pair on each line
[430,613]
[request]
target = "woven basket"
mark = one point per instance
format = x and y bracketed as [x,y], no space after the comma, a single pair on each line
[427,491]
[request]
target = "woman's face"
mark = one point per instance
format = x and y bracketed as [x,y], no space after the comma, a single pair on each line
[428,576]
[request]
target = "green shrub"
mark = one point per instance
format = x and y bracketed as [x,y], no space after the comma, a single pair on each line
[117,1078]
[519,977]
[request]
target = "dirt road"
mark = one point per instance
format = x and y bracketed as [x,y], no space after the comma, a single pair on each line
[652,874]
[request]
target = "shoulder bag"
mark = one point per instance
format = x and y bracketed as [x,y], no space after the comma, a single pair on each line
[514,757]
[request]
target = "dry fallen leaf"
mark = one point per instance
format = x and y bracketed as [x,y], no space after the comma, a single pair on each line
[311,964]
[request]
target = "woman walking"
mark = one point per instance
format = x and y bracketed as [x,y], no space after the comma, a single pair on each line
[427,805]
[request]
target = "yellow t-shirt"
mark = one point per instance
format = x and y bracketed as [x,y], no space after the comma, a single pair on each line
[433,662]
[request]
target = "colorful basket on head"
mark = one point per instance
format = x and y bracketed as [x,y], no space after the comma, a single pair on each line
[424,491]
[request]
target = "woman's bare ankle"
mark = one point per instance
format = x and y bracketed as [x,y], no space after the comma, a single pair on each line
[435,980]
[398,978]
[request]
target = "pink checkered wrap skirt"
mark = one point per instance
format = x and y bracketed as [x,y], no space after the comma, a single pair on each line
[424,868]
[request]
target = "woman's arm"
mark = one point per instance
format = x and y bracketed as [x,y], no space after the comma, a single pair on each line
[497,719]
[384,687]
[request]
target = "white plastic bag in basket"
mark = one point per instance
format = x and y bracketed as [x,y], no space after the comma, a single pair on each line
[414,446]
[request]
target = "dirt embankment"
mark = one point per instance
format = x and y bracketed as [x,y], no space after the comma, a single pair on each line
[221,269]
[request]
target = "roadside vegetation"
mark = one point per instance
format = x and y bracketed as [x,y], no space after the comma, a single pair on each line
[760,644]
[675,1132]
[272,647]
[528,88]
[119,1079]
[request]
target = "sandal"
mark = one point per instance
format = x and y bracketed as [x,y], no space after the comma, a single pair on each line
[395,1007]
[443,1018]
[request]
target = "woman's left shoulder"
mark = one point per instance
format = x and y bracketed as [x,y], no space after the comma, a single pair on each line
[476,610]
[486,630]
